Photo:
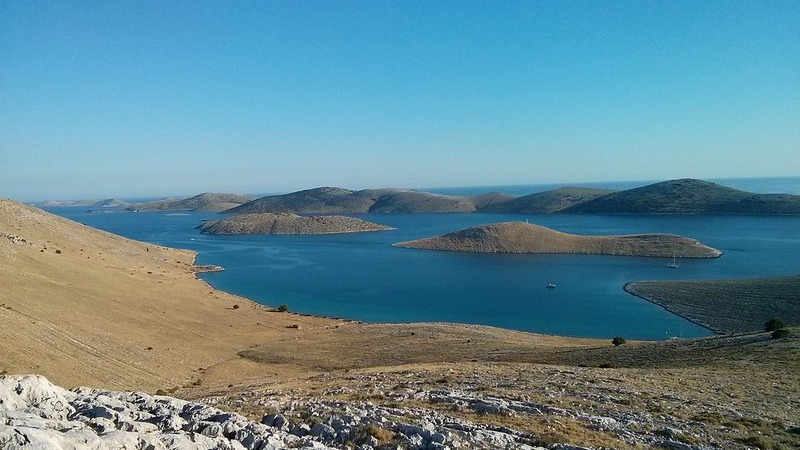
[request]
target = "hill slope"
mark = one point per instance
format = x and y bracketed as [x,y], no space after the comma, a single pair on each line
[206,202]
[332,200]
[689,196]
[518,237]
[727,306]
[551,201]
[288,223]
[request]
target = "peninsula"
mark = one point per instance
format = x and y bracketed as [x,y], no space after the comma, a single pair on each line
[519,237]
[288,223]
[755,300]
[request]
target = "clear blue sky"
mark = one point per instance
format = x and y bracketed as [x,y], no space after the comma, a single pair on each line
[148,98]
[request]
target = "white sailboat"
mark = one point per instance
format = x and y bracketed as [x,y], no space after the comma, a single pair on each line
[674,263]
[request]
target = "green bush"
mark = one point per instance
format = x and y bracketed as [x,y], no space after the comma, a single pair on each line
[283,308]
[774,324]
[780,333]
[617,341]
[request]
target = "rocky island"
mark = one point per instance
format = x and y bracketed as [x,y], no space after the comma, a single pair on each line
[689,196]
[519,237]
[288,223]
[205,202]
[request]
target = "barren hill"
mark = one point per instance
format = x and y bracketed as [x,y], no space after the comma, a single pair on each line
[518,237]
[288,223]
[689,196]
[551,201]
[206,202]
[332,200]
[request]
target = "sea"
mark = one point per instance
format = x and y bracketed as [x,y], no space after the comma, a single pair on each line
[363,277]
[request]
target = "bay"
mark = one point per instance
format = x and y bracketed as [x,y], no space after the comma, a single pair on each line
[362,277]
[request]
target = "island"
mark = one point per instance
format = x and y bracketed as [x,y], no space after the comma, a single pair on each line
[205,202]
[682,196]
[552,201]
[689,196]
[335,200]
[521,237]
[288,223]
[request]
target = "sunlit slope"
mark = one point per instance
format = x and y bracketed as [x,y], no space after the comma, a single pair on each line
[519,237]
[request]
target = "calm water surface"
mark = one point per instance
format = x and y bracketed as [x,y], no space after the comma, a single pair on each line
[360,276]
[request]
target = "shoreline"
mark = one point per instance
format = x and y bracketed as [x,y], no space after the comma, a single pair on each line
[717,332]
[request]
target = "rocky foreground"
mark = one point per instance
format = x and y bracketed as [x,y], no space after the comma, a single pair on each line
[37,414]
[448,407]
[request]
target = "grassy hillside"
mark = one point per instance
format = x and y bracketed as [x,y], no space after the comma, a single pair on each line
[551,201]
[518,237]
[689,196]
[727,306]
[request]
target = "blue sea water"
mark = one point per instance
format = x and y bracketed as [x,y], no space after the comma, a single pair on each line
[362,277]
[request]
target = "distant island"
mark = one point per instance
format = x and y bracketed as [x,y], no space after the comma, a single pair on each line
[552,201]
[684,196]
[107,203]
[206,202]
[288,223]
[689,196]
[520,237]
[333,200]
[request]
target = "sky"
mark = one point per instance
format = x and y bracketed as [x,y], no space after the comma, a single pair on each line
[139,98]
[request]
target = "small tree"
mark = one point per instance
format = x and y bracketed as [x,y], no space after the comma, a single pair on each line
[774,324]
[283,308]
[617,341]
[781,333]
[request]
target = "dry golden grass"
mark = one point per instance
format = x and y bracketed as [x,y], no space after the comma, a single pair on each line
[85,307]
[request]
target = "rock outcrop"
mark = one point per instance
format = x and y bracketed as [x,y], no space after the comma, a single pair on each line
[519,237]
[36,414]
[287,223]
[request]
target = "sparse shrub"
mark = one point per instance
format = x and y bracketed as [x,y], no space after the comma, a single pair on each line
[774,324]
[780,333]
[382,435]
[58,252]
[283,308]
[235,306]
[617,341]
